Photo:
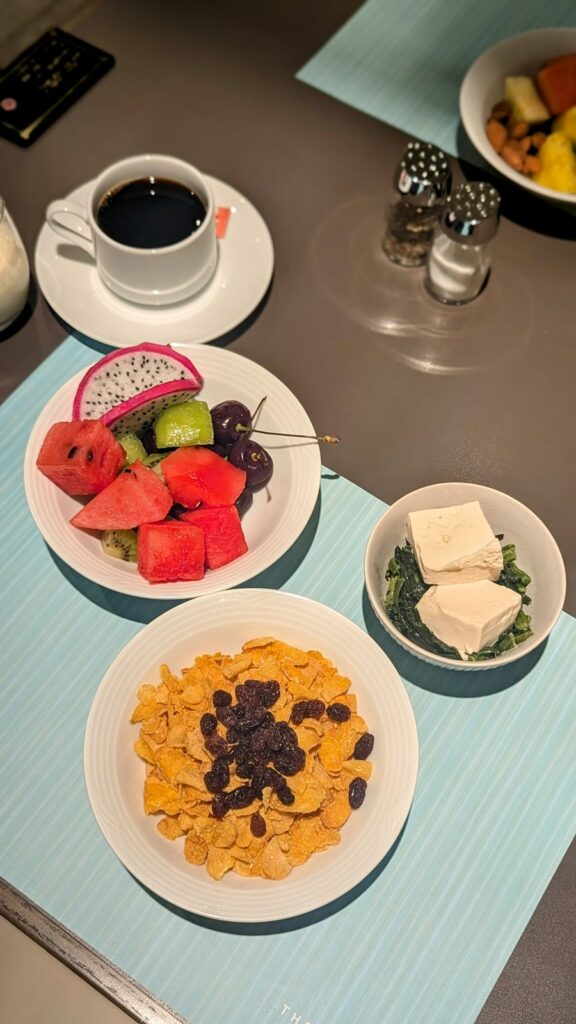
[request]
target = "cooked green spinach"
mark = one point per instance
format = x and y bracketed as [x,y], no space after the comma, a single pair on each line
[405,587]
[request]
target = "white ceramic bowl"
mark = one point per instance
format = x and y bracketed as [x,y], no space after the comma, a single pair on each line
[483,86]
[536,550]
[276,519]
[223,622]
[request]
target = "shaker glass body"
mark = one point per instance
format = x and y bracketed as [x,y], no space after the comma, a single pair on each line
[14,270]
[456,273]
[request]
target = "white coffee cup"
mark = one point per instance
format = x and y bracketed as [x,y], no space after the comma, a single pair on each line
[153,277]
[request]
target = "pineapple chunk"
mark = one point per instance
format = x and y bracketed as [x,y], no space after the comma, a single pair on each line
[567,123]
[527,106]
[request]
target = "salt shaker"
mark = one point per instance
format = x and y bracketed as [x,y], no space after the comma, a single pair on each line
[422,183]
[14,270]
[459,258]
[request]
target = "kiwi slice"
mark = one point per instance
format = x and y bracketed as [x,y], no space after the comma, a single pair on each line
[154,461]
[185,424]
[121,544]
[133,448]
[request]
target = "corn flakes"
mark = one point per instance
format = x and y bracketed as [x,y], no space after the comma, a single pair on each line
[252,785]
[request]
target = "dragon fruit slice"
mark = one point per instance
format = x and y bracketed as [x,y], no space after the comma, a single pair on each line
[123,376]
[139,413]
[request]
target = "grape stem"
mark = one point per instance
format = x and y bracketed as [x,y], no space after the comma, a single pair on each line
[250,429]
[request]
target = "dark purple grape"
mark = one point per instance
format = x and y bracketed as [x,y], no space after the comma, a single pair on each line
[254,459]
[226,417]
[257,825]
[356,793]
[338,712]
[244,502]
[208,724]
[364,747]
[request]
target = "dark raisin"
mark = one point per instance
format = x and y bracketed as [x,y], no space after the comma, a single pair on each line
[269,693]
[273,778]
[221,699]
[232,734]
[338,712]
[315,708]
[285,796]
[245,770]
[208,724]
[286,734]
[226,715]
[219,805]
[253,716]
[217,778]
[240,797]
[216,745]
[239,710]
[290,761]
[257,825]
[364,747]
[248,693]
[356,793]
[260,739]
[299,712]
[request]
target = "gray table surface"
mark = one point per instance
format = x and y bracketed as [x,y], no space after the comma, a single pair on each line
[419,393]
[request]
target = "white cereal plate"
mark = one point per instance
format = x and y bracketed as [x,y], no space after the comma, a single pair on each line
[277,517]
[223,622]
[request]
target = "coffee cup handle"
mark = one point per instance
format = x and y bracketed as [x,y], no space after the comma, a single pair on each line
[78,231]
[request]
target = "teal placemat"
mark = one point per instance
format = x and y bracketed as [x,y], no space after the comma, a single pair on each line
[403,61]
[424,940]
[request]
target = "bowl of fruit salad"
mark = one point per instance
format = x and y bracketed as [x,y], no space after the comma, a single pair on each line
[160,477]
[518,107]
[464,576]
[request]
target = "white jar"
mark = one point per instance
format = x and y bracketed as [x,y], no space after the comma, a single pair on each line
[14,270]
[459,257]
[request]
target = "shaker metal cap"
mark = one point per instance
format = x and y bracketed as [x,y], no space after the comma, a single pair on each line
[472,213]
[424,174]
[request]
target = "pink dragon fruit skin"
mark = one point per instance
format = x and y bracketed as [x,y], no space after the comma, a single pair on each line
[122,376]
[138,413]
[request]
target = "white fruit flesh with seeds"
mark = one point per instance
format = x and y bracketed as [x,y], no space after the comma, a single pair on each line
[469,616]
[454,544]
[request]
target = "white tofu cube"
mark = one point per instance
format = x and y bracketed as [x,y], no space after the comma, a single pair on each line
[455,544]
[469,616]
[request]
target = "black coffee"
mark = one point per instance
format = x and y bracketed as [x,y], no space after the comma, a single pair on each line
[150,213]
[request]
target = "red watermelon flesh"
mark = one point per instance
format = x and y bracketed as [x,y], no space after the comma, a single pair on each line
[82,457]
[170,551]
[135,497]
[196,475]
[223,535]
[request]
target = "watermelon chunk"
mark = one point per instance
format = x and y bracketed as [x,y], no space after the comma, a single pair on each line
[223,535]
[82,457]
[199,476]
[135,497]
[557,83]
[170,551]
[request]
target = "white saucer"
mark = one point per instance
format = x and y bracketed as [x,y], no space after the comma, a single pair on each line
[70,283]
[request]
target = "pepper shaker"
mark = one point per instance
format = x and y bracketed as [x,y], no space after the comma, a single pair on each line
[421,184]
[459,258]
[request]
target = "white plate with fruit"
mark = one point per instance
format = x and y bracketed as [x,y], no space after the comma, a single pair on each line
[161,507]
